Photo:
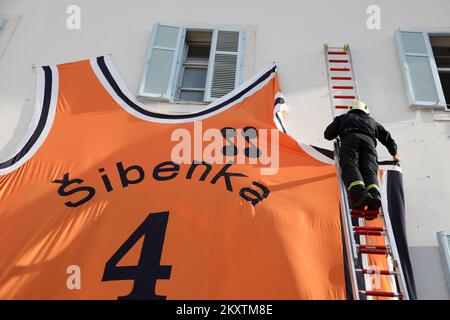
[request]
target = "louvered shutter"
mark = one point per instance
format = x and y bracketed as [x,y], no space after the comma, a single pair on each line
[159,74]
[419,70]
[444,244]
[225,63]
[2,23]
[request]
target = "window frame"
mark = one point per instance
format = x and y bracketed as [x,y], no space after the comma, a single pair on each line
[442,103]
[180,74]
[444,70]
[444,249]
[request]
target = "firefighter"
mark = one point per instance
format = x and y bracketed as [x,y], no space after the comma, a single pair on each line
[358,156]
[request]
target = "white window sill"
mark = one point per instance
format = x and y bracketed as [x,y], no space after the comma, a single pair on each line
[196,103]
[441,116]
[175,107]
[150,99]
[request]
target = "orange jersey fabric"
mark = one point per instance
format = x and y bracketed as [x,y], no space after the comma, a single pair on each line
[93,189]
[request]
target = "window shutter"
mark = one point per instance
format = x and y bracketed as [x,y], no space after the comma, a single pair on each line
[163,58]
[2,23]
[419,70]
[225,63]
[444,244]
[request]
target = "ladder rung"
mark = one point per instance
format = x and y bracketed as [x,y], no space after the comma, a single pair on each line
[372,249]
[380,272]
[337,52]
[341,107]
[365,216]
[343,87]
[381,293]
[369,246]
[341,78]
[344,97]
[362,211]
[339,69]
[364,228]
[337,61]
[369,233]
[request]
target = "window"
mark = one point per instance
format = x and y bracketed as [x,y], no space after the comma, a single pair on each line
[192,65]
[423,82]
[444,244]
[192,83]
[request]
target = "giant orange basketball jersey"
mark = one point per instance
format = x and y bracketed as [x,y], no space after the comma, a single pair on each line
[92,192]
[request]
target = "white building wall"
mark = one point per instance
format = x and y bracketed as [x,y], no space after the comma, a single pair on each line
[290,32]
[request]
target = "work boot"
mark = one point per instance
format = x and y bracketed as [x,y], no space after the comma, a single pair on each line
[365,199]
[375,205]
[359,197]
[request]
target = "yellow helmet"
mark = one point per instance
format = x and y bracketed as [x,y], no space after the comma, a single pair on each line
[358,105]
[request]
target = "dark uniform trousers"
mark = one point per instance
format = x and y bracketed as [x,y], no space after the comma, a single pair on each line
[359,164]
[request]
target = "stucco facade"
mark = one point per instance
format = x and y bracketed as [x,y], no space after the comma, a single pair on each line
[291,33]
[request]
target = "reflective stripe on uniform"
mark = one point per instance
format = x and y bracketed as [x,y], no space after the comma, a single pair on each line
[356,183]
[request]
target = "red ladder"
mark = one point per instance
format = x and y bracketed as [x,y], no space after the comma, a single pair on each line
[342,88]
[358,250]
[341,78]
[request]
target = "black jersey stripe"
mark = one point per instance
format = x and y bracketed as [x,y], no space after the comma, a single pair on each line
[325,152]
[43,118]
[112,82]
[280,122]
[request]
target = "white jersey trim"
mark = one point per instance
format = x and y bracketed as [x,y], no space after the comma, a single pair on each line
[119,91]
[33,139]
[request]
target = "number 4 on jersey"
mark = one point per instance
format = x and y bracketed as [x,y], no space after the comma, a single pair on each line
[148,270]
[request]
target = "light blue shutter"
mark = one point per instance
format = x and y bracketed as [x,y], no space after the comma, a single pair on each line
[225,63]
[2,23]
[444,244]
[163,58]
[419,70]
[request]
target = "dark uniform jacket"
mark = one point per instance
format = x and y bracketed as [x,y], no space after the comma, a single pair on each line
[357,121]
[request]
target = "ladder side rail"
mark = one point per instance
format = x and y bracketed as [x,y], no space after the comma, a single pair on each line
[352,254]
[392,243]
[352,71]
[327,66]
